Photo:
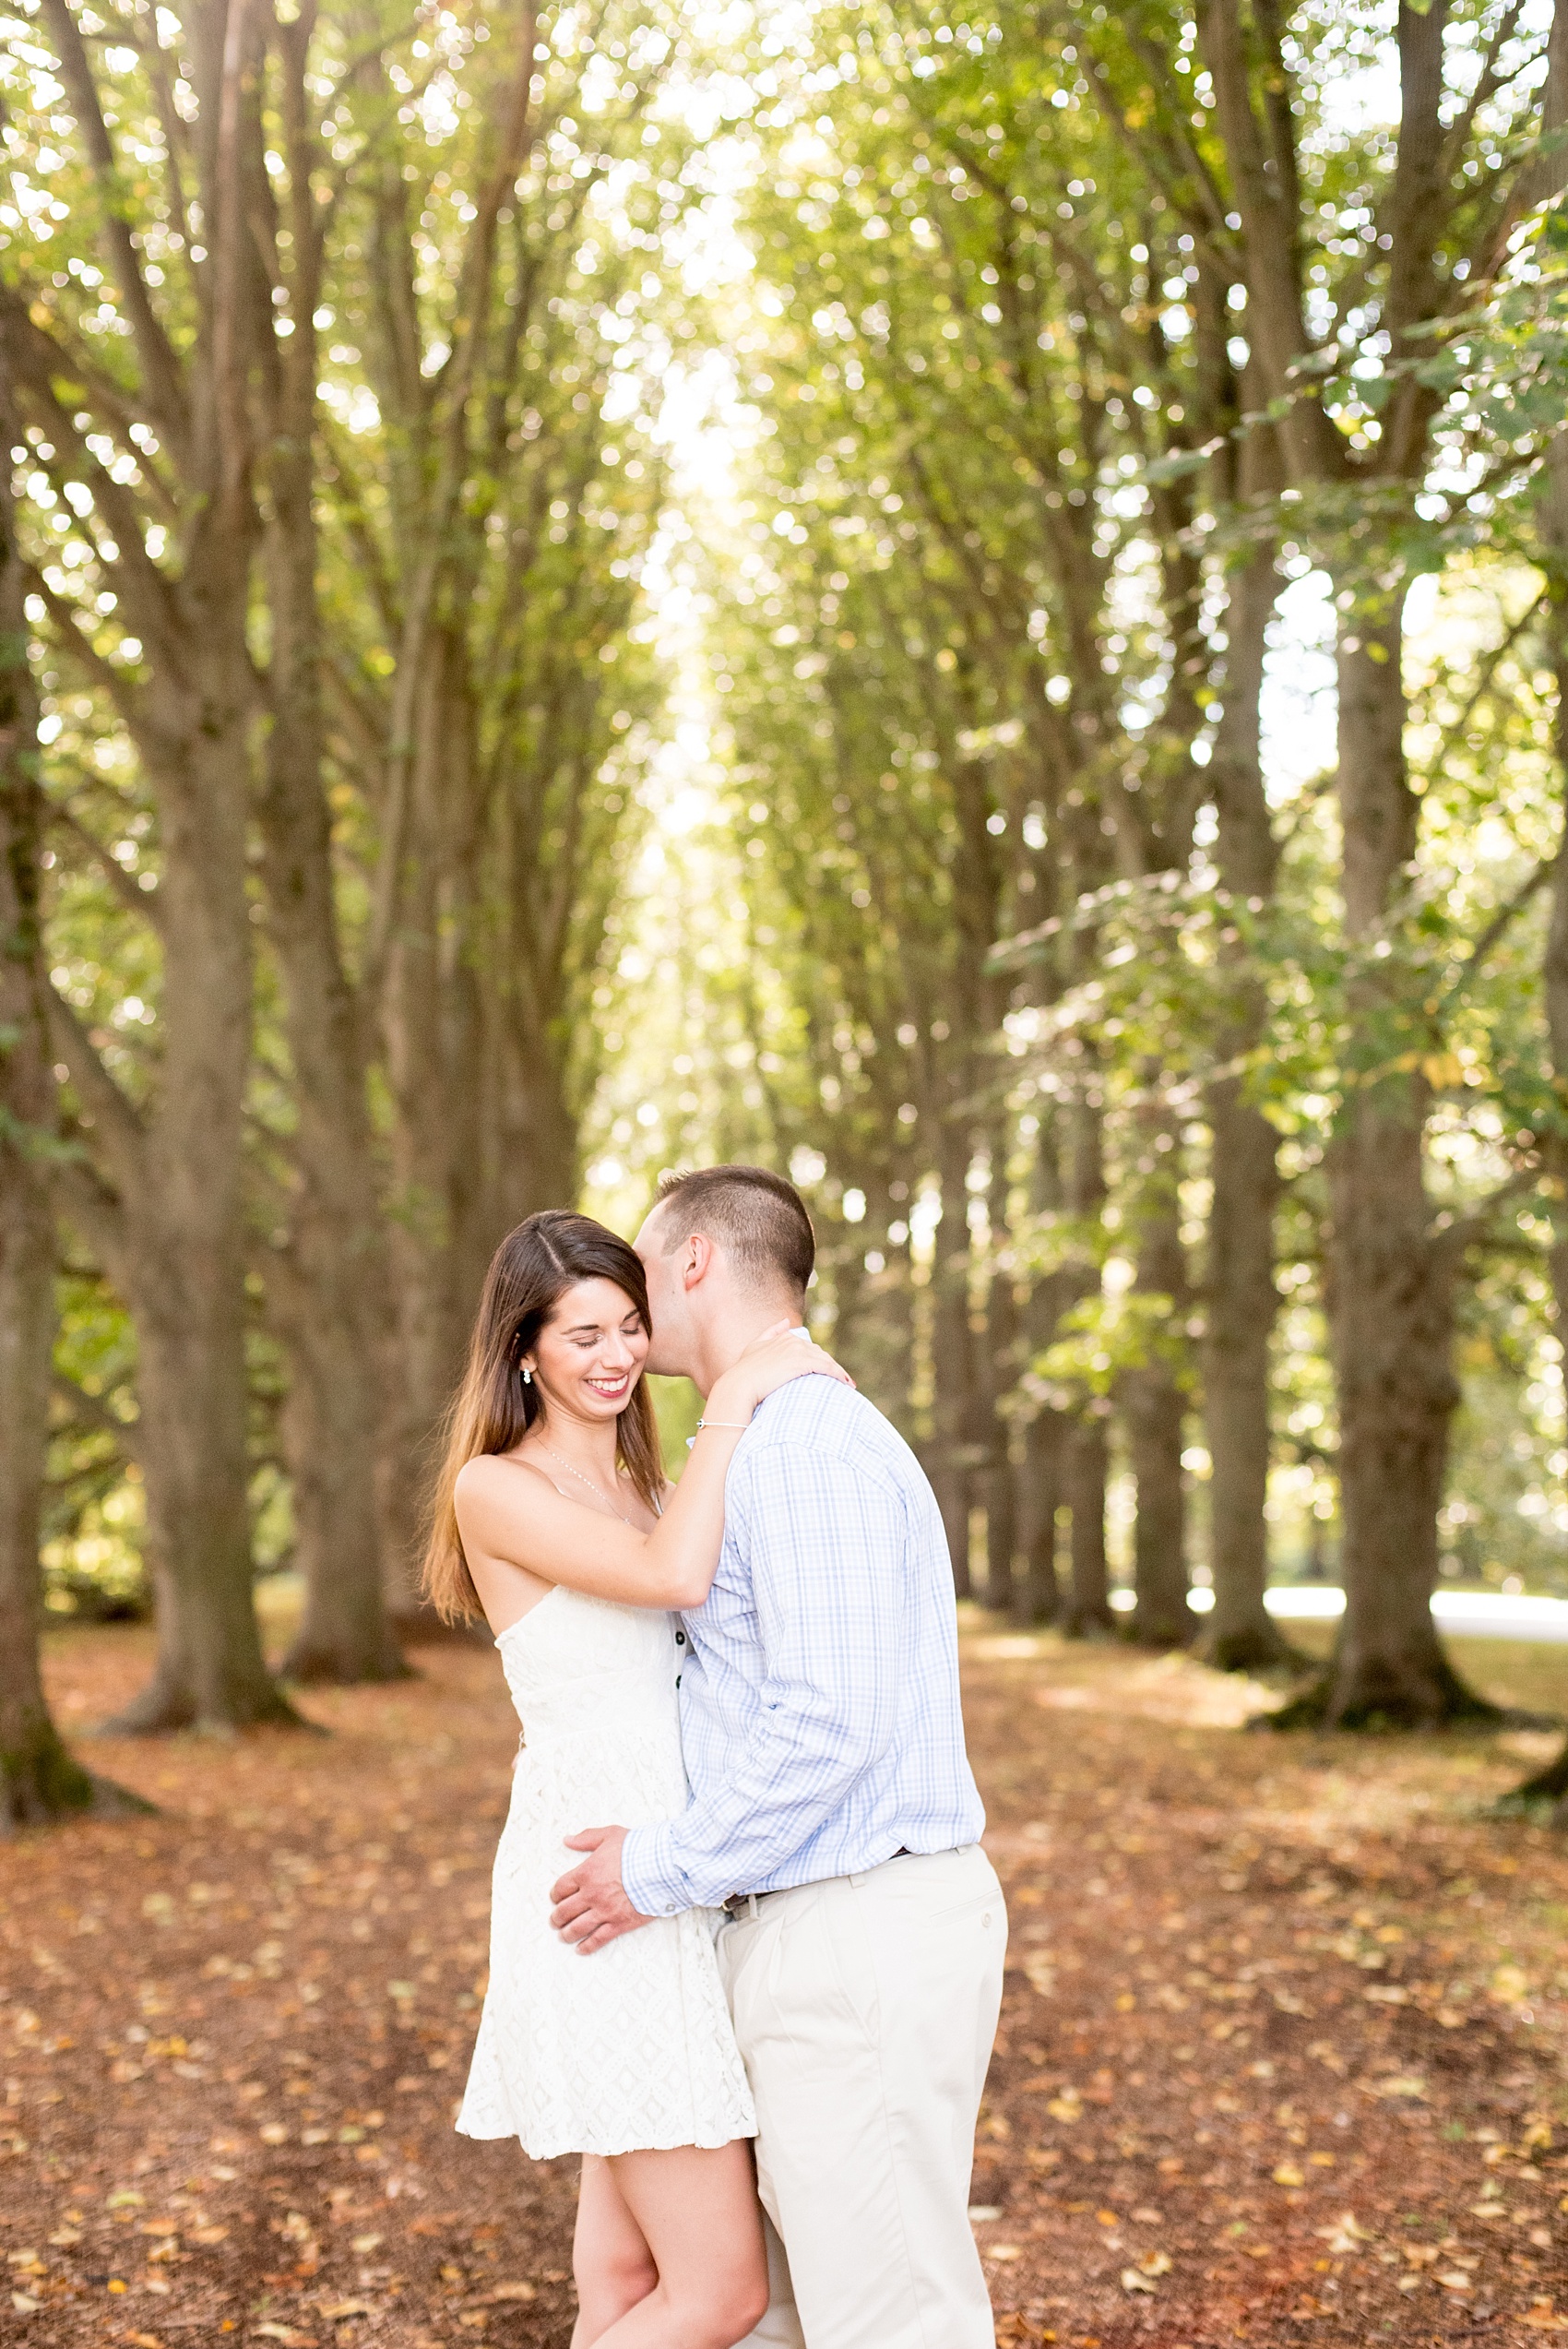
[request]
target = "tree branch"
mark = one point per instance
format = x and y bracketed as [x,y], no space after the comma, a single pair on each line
[161,368]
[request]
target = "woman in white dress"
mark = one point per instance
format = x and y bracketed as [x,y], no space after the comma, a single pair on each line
[552,1518]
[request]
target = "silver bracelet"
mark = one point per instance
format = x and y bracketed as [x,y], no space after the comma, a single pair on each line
[734,1427]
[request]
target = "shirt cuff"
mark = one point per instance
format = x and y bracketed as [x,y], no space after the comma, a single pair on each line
[650,1876]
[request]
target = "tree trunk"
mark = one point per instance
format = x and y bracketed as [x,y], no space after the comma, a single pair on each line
[953,1358]
[1552,515]
[1037,1596]
[164,1201]
[1153,1404]
[183,1261]
[329,1283]
[1153,1408]
[1087,1611]
[1004,1586]
[1391,1282]
[37,1778]
[1242,1301]
[1042,1479]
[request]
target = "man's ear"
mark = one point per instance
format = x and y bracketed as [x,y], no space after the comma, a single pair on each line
[698,1259]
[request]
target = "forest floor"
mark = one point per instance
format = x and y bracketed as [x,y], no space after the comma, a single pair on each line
[1284,2056]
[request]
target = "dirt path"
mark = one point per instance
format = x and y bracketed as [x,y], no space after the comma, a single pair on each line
[1285,2054]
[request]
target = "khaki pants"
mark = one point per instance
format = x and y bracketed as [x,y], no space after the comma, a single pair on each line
[865,2009]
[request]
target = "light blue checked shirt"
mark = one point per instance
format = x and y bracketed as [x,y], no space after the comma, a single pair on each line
[819,1682]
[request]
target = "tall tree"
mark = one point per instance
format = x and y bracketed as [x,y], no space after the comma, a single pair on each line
[481,695]
[326,1271]
[132,380]
[1338,326]
[39,1780]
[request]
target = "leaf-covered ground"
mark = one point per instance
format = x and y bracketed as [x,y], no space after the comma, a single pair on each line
[1283,2058]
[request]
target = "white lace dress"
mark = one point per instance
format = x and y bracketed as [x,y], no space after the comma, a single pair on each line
[633,2046]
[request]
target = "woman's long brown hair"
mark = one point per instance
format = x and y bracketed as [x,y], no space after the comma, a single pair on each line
[493,1409]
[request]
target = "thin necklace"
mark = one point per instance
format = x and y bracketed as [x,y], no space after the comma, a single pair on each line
[587,1481]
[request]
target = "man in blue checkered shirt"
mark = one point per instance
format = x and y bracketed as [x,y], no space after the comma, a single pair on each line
[832,1816]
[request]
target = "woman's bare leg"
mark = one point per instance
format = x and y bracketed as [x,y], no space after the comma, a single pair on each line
[696,2215]
[611,2260]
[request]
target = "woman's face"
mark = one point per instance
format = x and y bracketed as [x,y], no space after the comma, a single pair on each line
[590,1353]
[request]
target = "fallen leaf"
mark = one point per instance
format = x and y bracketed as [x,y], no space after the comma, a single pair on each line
[348,2309]
[514,2292]
[1289,2175]
[1454,2280]
[1156,2263]
[1345,2235]
[209,2234]
[1067,2108]
[1134,2280]
[1542,2317]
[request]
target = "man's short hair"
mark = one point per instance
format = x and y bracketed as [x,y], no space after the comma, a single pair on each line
[757,1218]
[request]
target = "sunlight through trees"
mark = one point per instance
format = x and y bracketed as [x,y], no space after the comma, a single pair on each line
[972,608]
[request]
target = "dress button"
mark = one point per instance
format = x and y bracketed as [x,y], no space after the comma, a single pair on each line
[680,1638]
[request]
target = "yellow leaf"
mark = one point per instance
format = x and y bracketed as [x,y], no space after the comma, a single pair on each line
[1156,2263]
[1289,2175]
[1133,2280]
[1067,2108]
[514,2292]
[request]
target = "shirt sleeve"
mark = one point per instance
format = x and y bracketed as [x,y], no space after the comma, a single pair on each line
[826,1547]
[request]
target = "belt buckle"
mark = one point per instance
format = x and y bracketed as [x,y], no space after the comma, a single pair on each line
[739,1905]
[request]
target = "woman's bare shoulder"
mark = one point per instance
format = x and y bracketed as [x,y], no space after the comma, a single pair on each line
[488,1475]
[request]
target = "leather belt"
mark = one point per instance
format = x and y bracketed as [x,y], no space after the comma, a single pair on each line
[746,1904]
